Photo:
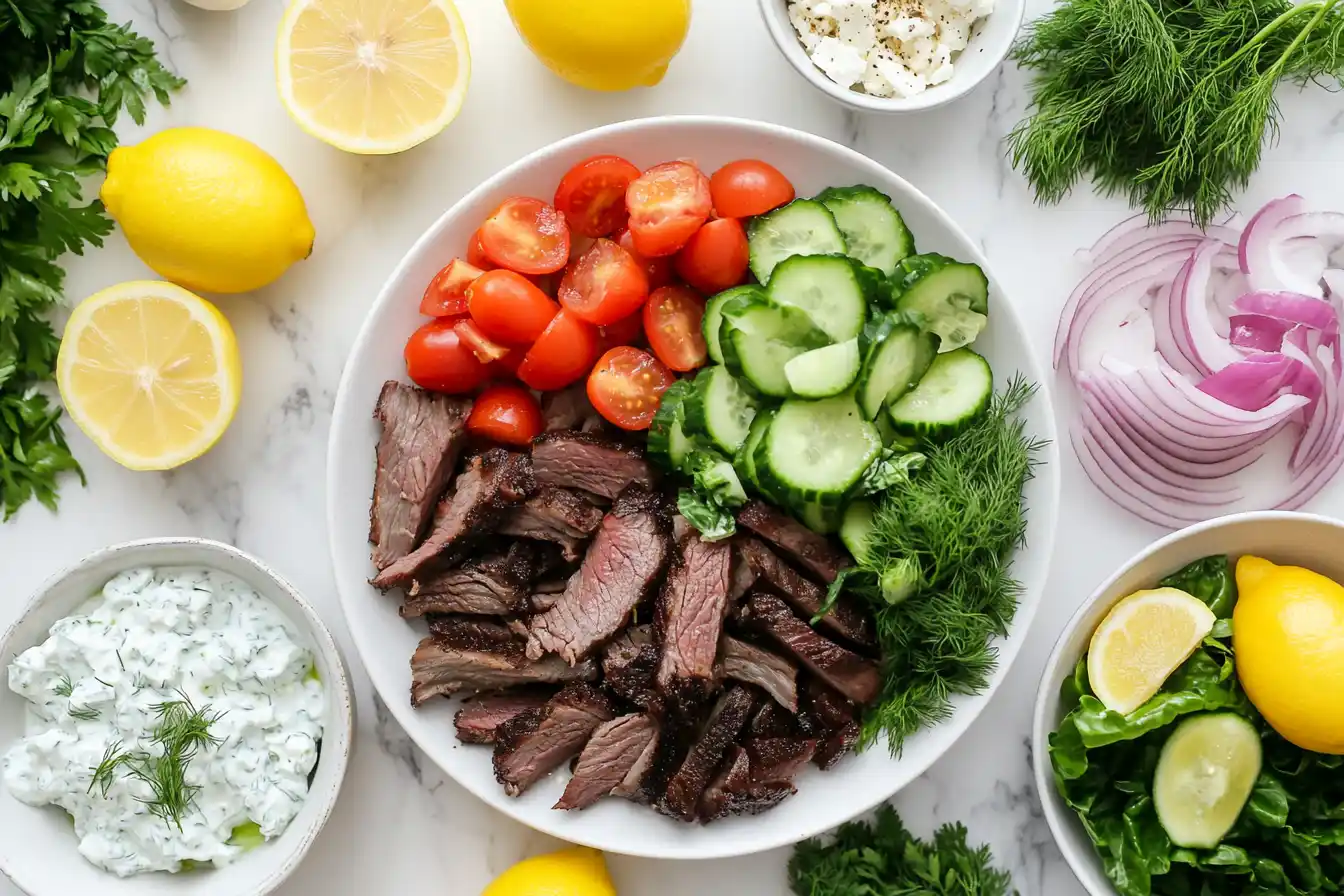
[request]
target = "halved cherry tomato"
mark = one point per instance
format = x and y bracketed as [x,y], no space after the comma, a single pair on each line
[446,294]
[626,331]
[476,253]
[667,204]
[438,359]
[715,258]
[561,355]
[605,285]
[657,270]
[591,195]
[672,324]
[506,413]
[748,187]
[508,308]
[486,350]
[627,385]
[526,235]
[506,368]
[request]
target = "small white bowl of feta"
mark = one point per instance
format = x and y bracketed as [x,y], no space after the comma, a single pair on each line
[174,718]
[894,55]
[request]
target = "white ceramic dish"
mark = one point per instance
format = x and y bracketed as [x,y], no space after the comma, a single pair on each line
[991,39]
[38,848]
[385,641]
[1301,539]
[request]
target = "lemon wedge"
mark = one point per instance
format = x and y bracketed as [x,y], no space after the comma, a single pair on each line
[372,78]
[150,372]
[1143,639]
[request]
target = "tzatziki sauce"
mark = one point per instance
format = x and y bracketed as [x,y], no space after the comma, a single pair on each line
[97,686]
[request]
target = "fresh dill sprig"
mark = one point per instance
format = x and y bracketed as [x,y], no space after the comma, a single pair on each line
[65,687]
[83,713]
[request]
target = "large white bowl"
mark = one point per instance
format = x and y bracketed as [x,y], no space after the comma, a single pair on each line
[1300,539]
[38,850]
[386,641]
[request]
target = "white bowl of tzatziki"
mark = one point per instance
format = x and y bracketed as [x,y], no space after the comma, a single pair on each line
[173,717]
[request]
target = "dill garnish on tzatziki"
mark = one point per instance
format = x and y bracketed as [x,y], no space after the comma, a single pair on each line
[176,717]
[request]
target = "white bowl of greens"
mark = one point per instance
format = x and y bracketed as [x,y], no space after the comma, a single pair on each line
[1096,770]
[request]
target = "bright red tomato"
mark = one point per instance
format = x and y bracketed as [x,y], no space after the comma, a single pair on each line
[508,308]
[672,324]
[446,294]
[561,355]
[626,331]
[526,235]
[715,258]
[657,270]
[605,285]
[506,368]
[627,385]
[486,350]
[476,253]
[506,413]
[667,204]
[437,359]
[592,194]
[748,187]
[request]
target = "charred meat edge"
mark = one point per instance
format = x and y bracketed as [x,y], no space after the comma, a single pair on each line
[690,612]
[589,463]
[815,552]
[846,618]
[608,758]
[479,719]
[850,674]
[441,668]
[557,515]
[497,585]
[726,721]
[538,741]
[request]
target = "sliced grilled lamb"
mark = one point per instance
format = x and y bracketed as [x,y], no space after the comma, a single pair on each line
[734,776]
[494,585]
[754,665]
[744,574]
[772,720]
[556,515]
[627,555]
[690,612]
[423,435]
[844,670]
[815,552]
[778,760]
[537,741]
[837,745]
[474,632]
[726,721]
[439,667]
[828,709]
[589,463]
[608,758]
[479,719]
[846,619]
[492,482]
[629,664]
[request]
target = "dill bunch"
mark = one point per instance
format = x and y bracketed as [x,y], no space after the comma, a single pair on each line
[1167,103]
[960,520]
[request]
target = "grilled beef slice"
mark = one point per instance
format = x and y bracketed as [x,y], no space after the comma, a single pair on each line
[777,760]
[493,585]
[440,666]
[726,721]
[588,463]
[815,552]
[423,435]
[753,665]
[837,745]
[492,482]
[479,719]
[735,791]
[537,741]
[629,664]
[844,670]
[474,632]
[570,409]
[690,613]
[627,555]
[846,619]
[614,750]
[743,575]
[557,515]
[772,720]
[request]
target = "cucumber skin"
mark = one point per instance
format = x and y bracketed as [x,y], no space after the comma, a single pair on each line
[844,195]
[745,459]
[711,325]
[868,281]
[798,499]
[925,433]
[876,334]
[815,338]
[760,222]
[695,405]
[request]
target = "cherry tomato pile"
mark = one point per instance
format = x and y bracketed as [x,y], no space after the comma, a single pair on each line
[550,294]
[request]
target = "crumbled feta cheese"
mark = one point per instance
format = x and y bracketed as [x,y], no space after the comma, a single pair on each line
[886,47]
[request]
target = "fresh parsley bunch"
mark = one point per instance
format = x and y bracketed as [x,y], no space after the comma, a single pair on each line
[66,74]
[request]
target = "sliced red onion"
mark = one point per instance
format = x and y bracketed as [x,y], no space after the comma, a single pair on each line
[1265,244]
[1293,307]
[1202,351]
[1258,332]
[1254,381]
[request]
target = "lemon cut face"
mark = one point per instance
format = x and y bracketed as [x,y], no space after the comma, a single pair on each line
[373,76]
[150,372]
[1143,639]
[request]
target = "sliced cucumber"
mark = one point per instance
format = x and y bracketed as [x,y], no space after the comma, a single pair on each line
[719,408]
[819,517]
[1205,774]
[873,229]
[951,296]
[745,459]
[803,227]
[828,288]
[954,391]
[711,323]
[855,528]
[668,442]
[816,450]
[824,372]
[900,579]
[898,355]
[758,339]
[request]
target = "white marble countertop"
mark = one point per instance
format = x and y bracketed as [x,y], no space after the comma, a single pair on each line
[400,826]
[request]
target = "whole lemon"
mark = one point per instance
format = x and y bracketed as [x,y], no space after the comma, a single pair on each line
[603,44]
[579,871]
[1288,634]
[207,210]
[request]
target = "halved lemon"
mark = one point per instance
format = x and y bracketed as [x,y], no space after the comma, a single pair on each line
[1143,639]
[150,372]
[372,77]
